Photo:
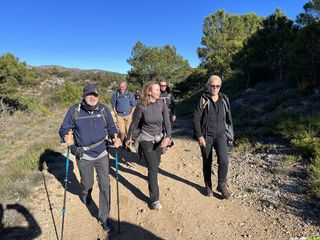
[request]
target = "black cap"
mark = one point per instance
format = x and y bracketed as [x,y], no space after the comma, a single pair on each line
[90,88]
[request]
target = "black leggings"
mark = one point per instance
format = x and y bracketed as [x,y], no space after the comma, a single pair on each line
[152,153]
[220,146]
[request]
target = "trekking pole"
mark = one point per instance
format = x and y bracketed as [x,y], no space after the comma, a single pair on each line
[117,178]
[65,191]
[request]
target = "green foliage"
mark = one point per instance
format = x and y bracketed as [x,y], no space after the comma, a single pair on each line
[14,76]
[279,98]
[69,95]
[194,82]
[303,133]
[224,35]
[311,14]
[156,63]
[187,105]
[304,57]
[313,238]
[246,144]
[292,126]
[264,55]
[289,159]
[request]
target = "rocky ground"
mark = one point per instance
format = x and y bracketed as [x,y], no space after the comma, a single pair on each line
[268,200]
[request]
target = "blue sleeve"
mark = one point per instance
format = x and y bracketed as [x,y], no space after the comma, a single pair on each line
[111,126]
[113,100]
[133,102]
[67,123]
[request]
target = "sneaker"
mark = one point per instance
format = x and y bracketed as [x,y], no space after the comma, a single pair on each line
[156,205]
[222,188]
[86,199]
[107,226]
[209,191]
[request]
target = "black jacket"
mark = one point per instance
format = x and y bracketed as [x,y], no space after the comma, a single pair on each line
[167,97]
[200,118]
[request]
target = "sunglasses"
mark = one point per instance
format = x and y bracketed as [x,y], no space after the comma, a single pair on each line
[216,86]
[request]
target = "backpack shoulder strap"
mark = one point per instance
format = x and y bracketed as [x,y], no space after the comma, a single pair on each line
[204,102]
[161,104]
[104,114]
[76,113]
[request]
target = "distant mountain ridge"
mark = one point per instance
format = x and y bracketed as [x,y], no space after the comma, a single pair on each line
[61,68]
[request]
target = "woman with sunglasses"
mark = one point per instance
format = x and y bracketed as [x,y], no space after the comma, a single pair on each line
[213,129]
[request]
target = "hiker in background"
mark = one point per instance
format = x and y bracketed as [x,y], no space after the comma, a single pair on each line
[123,104]
[167,97]
[151,115]
[137,96]
[213,129]
[91,123]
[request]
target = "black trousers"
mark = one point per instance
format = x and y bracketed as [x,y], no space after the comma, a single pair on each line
[86,168]
[220,146]
[152,153]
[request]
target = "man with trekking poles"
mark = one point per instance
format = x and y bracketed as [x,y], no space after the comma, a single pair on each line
[91,123]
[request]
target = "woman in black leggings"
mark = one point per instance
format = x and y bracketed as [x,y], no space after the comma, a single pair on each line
[152,117]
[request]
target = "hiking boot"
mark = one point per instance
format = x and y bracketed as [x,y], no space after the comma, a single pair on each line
[209,191]
[222,188]
[107,226]
[86,199]
[156,205]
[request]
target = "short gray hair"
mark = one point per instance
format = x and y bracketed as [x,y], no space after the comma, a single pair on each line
[211,78]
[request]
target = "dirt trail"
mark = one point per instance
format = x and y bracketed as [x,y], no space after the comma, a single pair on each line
[266,204]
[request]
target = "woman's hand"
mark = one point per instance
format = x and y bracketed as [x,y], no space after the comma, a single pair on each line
[165,142]
[202,142]
[129,142]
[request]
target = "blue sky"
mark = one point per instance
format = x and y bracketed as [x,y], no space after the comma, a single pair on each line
[100,34]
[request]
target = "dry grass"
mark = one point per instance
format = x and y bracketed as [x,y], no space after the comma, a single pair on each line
[24,139]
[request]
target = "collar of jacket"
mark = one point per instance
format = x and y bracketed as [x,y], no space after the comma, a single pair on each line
[89,108]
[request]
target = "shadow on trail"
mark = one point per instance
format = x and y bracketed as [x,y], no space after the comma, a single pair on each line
[50,205]
[30,232]
[130,231]
[304,208]
[55,163]
[127,159]
[201,189]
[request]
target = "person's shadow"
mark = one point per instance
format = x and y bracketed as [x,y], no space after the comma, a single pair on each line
[32,231]
[55,163]
[126,158]
[129,231]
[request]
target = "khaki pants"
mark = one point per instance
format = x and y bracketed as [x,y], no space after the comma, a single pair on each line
[123,125]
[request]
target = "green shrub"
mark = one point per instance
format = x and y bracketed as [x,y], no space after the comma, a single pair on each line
[289,159]
[70,94]
[246,144]
[187,106]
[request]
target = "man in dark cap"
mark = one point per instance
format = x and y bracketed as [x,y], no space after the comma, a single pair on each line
[91,123]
